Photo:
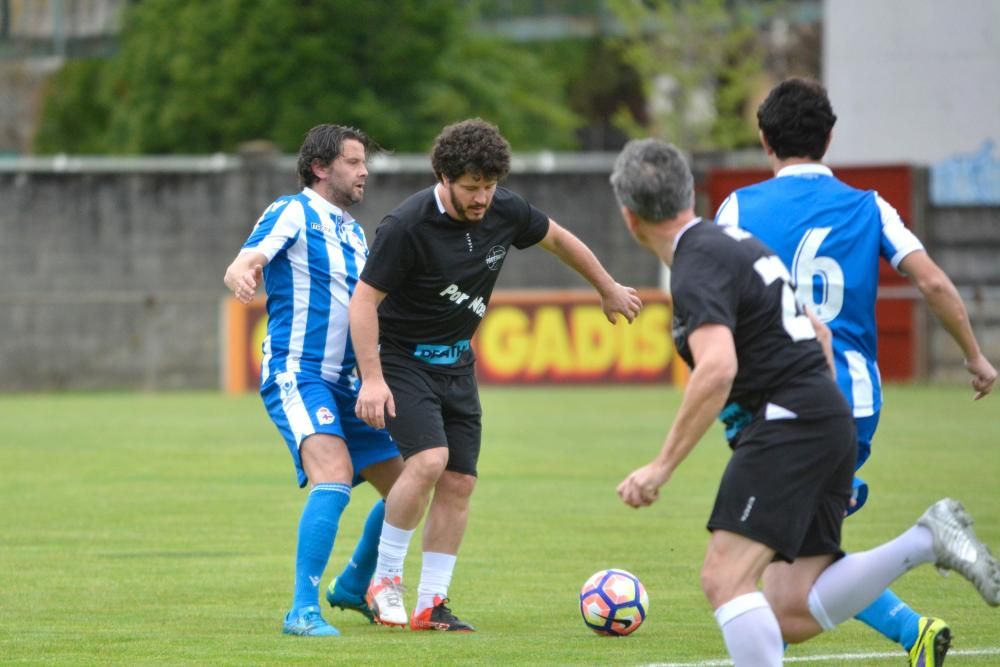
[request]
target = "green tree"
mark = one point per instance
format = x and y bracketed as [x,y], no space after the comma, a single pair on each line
[200,77]
[700,63]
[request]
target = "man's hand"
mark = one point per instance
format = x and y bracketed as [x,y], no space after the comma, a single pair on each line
[245,275]
[244,284]
[983,375]
[620,299]
[374,401]
[642,487]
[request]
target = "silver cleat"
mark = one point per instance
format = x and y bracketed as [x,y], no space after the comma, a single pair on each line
[957,548]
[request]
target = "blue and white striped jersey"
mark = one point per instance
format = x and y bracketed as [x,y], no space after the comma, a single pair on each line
[830,237]
[315,253]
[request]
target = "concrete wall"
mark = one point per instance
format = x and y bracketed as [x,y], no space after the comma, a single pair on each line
[111,271]
[965,241]
[111,276]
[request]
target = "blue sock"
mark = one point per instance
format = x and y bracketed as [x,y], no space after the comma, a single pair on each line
[893,618]
[317,531]
[358,573]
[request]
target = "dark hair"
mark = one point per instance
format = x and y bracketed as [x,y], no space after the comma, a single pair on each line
[324,143]
[796,119]
[652,179]
[471,147]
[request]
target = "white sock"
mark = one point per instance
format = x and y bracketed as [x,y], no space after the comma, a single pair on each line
[854,581]
[392,548]
[751,631]
[435,577]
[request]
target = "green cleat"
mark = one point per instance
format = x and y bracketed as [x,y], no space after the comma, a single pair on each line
[343,600]
[932,643]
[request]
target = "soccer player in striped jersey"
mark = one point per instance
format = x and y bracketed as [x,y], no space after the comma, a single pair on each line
[831,236]
[308,252]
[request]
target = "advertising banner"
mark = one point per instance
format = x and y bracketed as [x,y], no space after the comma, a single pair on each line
[529,337]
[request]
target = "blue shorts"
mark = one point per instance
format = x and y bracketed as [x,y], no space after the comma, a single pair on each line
[301,405]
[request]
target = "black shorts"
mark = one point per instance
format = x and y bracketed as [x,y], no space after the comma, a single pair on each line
[788,484]
[435,410]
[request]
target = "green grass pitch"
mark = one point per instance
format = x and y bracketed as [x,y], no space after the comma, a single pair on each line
[160,529]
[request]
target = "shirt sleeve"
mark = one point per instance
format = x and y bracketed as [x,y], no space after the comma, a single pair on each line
[897,241]
[728,214]
[278,227]
[706,292]
[391,257]
[534,231]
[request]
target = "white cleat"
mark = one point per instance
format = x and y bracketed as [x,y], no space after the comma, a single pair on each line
[956,547]
[385,598]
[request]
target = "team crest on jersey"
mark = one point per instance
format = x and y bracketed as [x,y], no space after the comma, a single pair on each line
[494,258]
[324,416]
[356,240]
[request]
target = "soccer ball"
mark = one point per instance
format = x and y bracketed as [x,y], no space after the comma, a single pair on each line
[614,603]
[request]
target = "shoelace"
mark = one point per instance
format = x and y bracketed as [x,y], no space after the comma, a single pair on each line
[312,618]
[393,593]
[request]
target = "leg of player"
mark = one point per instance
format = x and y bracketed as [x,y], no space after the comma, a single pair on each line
[347,590]
[443,533]
[405,506]
[943,536]
[327,463]
[733,565]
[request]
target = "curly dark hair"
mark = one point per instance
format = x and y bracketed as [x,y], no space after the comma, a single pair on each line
[796,119]
[324,143]
[471,147]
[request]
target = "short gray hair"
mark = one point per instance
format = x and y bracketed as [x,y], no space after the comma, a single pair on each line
[652,179]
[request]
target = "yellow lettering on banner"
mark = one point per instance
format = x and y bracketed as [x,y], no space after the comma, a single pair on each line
[646,348]
[257,336]
[505,341]
[595,340]
[551,352]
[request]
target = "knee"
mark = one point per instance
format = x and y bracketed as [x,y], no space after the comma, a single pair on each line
[456,486]
[427,466]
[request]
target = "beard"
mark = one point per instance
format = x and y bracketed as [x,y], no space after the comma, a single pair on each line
[462,211]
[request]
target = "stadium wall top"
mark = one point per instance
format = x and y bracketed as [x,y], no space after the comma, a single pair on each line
[409,163]
[544,162]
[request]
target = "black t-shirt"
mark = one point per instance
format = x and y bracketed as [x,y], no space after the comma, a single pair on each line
[438,274]
[723,275]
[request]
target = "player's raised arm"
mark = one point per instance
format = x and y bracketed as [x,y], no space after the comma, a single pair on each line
[615,298]
[374,399]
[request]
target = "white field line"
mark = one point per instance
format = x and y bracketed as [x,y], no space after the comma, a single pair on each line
[839,657]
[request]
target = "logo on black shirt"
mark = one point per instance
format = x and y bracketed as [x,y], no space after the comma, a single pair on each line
[494,258]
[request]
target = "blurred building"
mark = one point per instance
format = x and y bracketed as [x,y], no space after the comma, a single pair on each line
[912,80]
[36,38]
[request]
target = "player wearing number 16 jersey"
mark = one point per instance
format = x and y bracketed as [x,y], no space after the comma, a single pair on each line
[831,237]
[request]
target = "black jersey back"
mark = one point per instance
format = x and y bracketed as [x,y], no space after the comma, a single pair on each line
[439,273]
[724,275]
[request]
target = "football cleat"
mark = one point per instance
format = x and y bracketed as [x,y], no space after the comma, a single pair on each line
[438,617]
[341,599]
[932,644]
[307,622]
[385,599]
[956,547]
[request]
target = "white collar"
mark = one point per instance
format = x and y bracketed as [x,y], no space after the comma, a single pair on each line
[319,202]
[803,169]
[684,229]
[440,203]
